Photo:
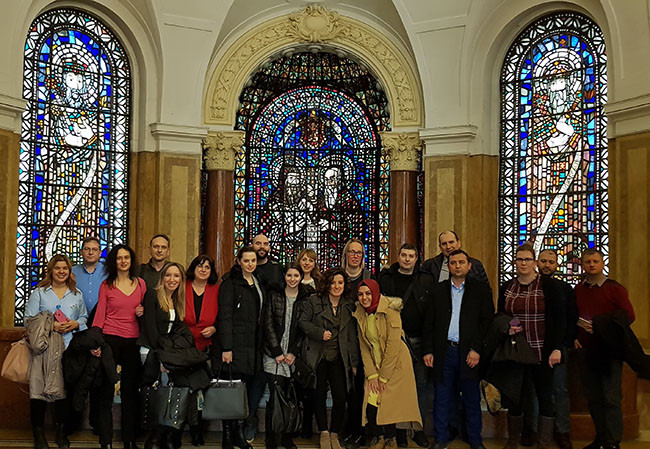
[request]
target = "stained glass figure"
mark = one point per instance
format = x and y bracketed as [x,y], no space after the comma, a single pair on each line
[553,166]
[313,174]
[74,143]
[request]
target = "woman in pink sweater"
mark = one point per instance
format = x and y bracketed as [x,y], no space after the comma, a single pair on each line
[118,309]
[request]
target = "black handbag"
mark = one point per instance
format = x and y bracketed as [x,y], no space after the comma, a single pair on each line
[285,408]
[225,399]
[515,348]
[164,405]
[303,374]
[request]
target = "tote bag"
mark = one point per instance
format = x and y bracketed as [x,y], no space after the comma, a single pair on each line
[164,405]
[18,363]
[225,399]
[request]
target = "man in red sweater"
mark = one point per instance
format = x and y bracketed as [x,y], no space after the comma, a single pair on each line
[598,295]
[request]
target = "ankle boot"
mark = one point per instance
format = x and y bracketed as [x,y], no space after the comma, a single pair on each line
[226,435]
[196,432]
[545,432]
[325,440]
[238,436]
[40,442]
[515,425]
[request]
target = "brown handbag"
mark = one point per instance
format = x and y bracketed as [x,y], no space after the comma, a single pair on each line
[18,362]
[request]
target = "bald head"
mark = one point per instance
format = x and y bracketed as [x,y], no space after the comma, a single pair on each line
[262,247]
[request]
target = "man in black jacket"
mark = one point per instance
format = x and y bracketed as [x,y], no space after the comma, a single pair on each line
[455,326]
[448,242]
[405,280]
[269,271]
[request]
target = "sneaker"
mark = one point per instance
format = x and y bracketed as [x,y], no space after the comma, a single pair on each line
[420,438]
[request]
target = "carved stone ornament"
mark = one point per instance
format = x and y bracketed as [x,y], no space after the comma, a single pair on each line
[220,150]
[403,150]
[314,24]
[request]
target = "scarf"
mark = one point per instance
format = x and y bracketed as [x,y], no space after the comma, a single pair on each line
[374,289]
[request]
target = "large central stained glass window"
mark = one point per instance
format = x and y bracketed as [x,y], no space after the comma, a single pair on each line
[312,174]
[553,144]
[74,143]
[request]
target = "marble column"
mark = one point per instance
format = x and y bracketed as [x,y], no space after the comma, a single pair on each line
[219,155]
[404,155]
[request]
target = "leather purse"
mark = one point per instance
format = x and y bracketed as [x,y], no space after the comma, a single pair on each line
[18,362]
[164,405]
[285,409]
[515,348]
[225,399]
[303,374]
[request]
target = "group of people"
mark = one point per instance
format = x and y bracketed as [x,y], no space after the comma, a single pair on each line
[382,344]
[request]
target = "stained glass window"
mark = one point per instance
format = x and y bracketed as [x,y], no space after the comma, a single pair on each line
[74,143]
[553,166]
[313,174]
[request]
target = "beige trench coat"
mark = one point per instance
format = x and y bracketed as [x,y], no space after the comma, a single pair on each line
[398,403]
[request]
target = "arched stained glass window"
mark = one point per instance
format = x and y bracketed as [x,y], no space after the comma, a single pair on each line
[74,143]
[553,166]
[313,174]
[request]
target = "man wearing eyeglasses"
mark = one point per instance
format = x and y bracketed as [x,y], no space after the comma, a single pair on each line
[90,274]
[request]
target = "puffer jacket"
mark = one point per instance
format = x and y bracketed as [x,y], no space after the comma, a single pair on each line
[273,321]
[46,376]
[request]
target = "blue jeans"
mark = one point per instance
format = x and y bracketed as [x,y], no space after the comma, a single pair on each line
[445,398]
[422,384]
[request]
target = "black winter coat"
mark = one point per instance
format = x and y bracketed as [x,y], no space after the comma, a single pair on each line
[314,321]
[476,313]
[555,314]
[273,316]
[174,349]
[416,301]
[434,265]
[239,318]
[84,371]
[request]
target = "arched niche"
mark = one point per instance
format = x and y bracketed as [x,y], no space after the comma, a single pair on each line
[319,26]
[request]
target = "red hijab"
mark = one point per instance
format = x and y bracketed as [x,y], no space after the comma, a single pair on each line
[374,289]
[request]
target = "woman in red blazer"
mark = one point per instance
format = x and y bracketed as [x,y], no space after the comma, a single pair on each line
[201,308]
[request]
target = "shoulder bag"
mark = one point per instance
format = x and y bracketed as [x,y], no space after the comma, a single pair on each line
[18,362]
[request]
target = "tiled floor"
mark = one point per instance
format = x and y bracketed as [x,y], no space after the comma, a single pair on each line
[10,439]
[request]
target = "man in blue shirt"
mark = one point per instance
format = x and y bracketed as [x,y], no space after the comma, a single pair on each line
[90,274]
[455,325]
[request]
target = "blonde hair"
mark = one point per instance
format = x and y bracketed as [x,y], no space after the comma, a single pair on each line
[47,279]
[346,248]
[315,272]
[178,296]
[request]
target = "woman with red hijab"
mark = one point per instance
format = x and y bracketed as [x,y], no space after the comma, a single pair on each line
[389,393]
[201,308]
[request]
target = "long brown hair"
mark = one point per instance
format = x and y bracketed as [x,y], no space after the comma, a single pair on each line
[315,272]
[178,296]
[47,280]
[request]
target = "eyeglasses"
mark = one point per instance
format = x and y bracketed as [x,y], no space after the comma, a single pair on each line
[524,259]
[355,253]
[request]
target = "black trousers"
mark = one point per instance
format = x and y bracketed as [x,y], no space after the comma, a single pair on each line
[353,425]
[374,430]
[306,397]
[332,375]
[538,380]
[126,354]
[37,408]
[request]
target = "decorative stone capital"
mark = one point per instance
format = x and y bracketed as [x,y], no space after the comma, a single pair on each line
[314,24]
[220,149]
[403,150]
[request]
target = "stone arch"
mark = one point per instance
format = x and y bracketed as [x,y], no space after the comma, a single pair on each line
[318,26]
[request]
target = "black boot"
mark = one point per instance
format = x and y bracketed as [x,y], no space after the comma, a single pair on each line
[545,432]
[176,437]
[226,435]
[155,439]
[515,425]
[196,432]
[270,440]
[238,436]
[61,436]
[40,442]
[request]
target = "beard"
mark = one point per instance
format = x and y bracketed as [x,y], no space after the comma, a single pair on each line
[261,254]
